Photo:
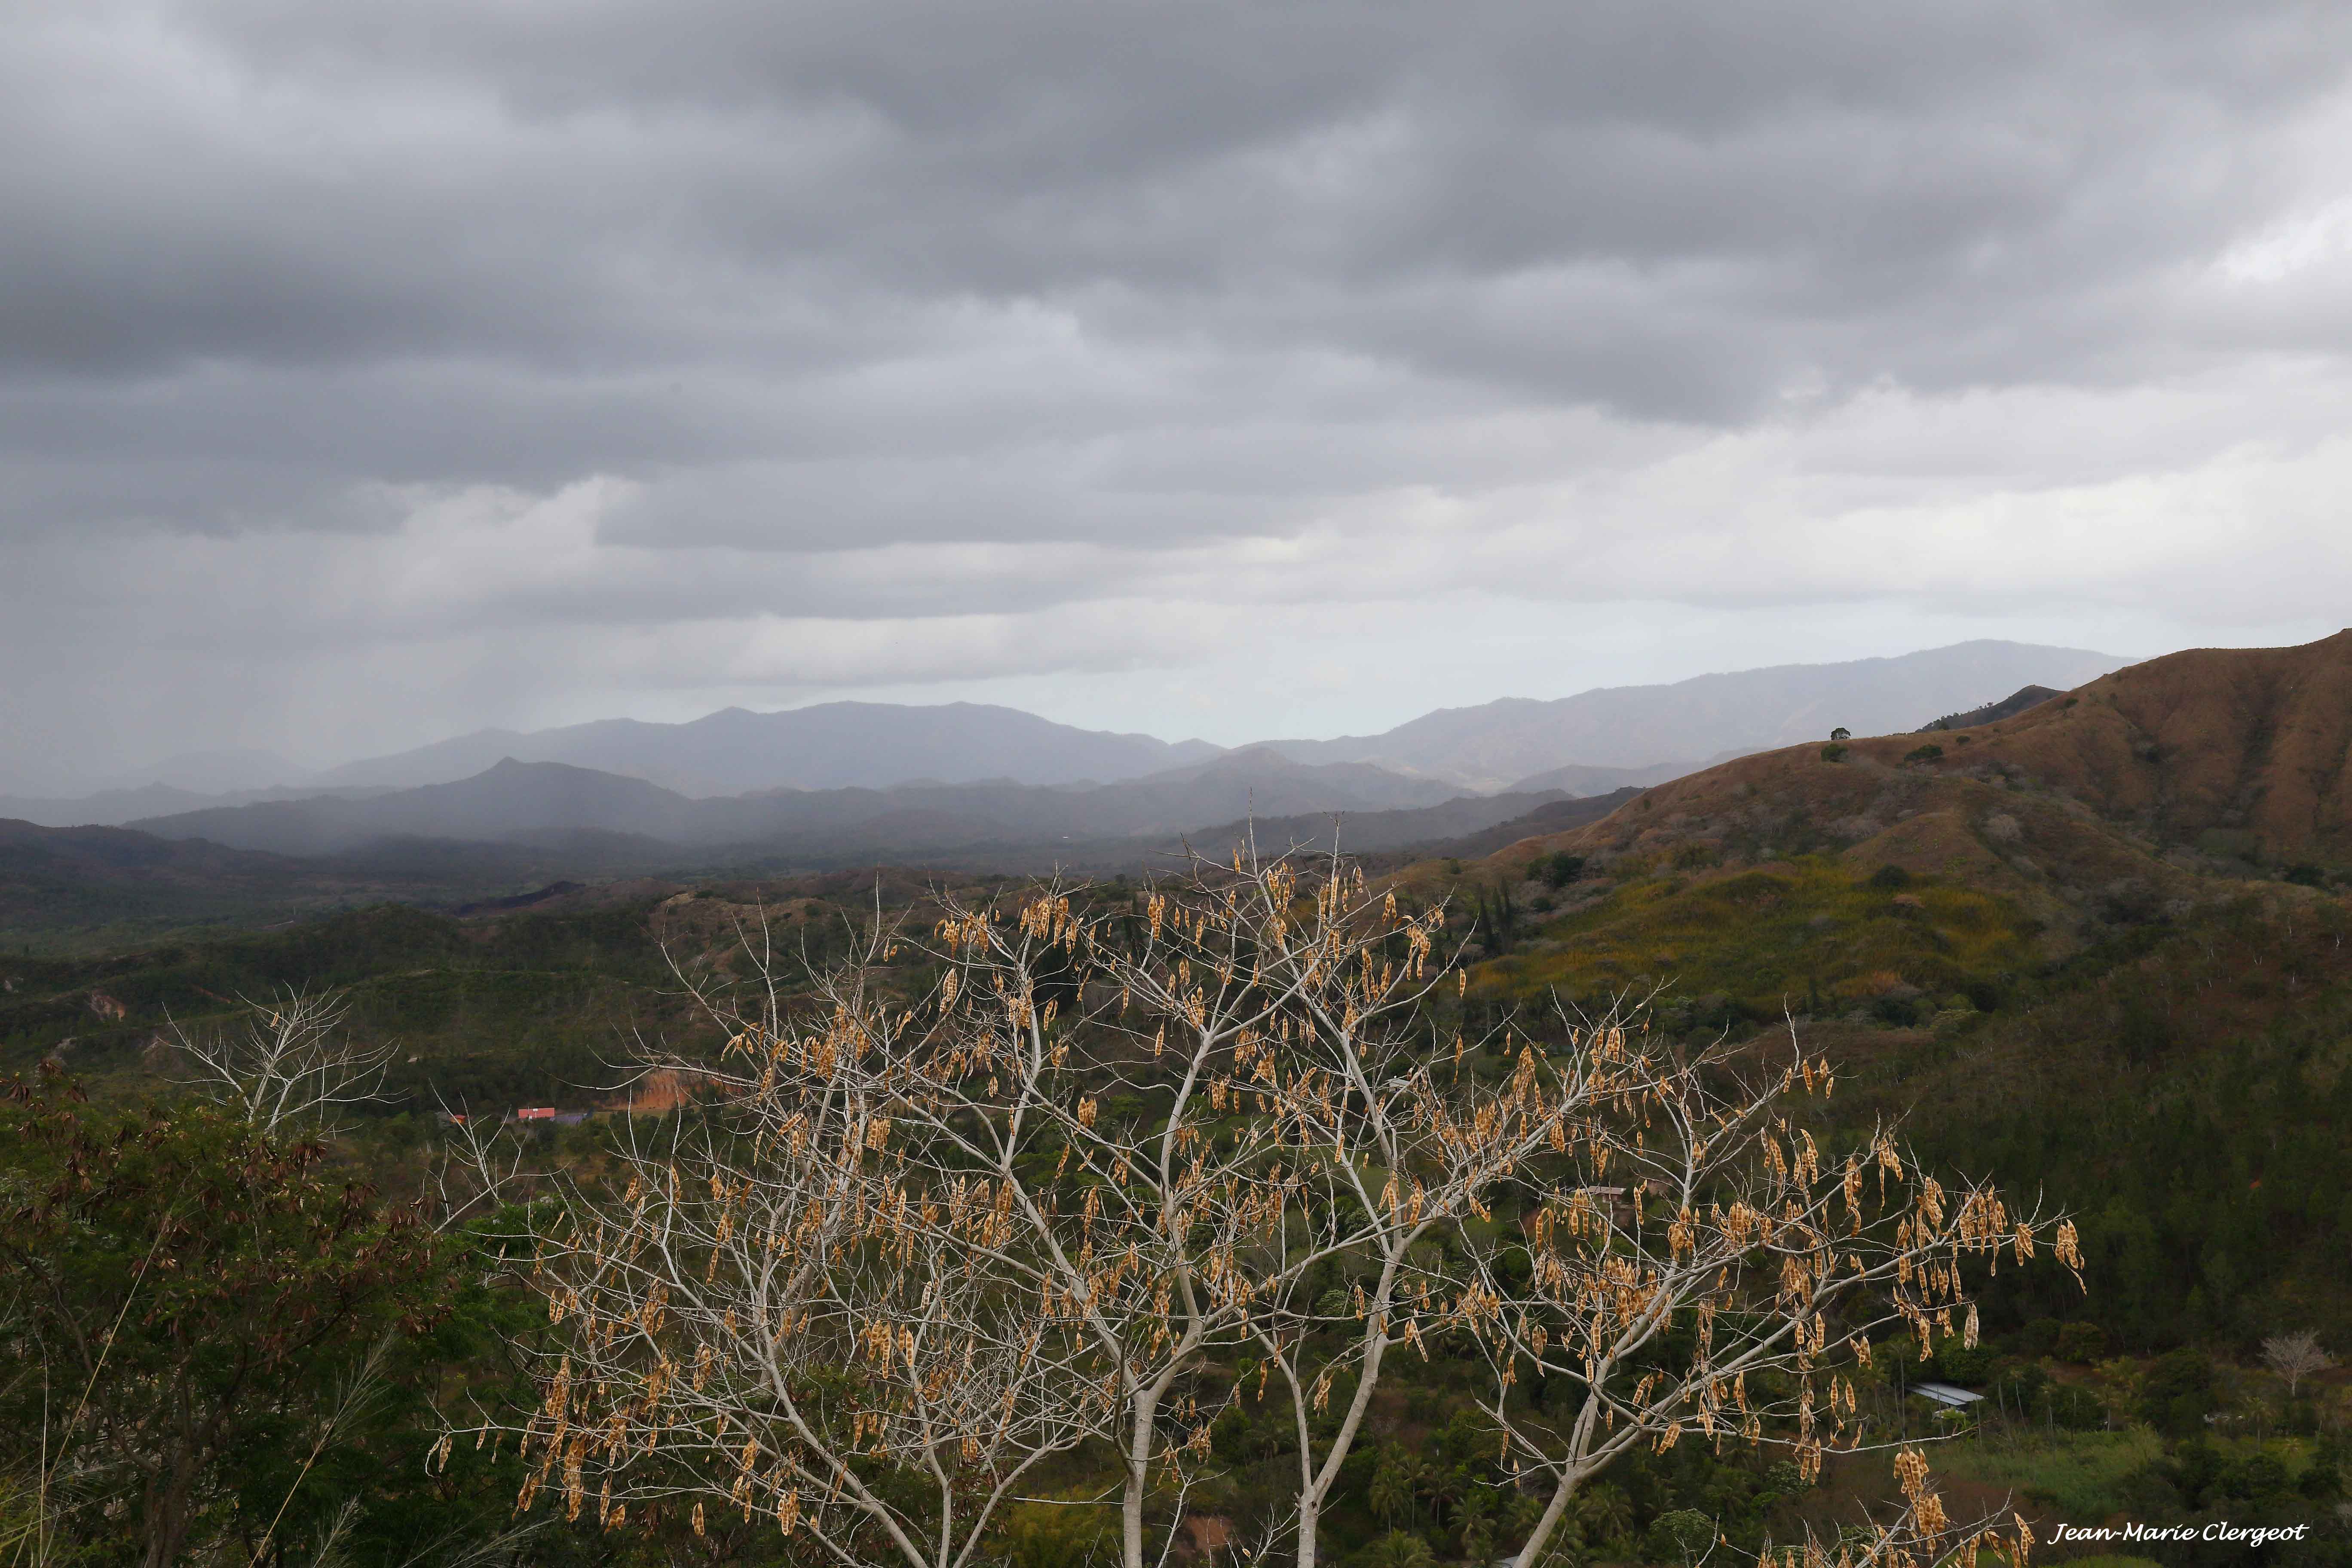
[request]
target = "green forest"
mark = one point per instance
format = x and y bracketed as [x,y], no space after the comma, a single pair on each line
[324,1340]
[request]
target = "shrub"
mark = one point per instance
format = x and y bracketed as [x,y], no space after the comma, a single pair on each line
[1684,1535]
[2178,1391]
[2084,1343]
[1927,753]
[1963,1366]
[1559,870]
[1890,878]
[1832,753]
[2075,1410]
[1896,1012]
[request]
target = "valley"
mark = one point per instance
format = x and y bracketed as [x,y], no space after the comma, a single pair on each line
[2090,939]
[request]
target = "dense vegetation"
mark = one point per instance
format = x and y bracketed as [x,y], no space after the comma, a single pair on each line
[2178,1079]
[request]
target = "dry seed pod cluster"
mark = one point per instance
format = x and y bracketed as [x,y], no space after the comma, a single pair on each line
[1081,1170]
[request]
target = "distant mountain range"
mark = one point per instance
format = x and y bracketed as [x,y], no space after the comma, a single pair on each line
[1656,732]
[834,745]
[1588,744]
[520,801]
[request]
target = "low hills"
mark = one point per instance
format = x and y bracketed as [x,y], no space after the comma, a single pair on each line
[2137,798]
[2227,754]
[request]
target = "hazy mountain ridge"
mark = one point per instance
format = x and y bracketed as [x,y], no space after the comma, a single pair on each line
[1588,744]
[526,801]
[831,745]
[1517,740]
[115,807]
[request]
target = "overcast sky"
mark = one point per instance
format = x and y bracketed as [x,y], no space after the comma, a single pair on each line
[370,371]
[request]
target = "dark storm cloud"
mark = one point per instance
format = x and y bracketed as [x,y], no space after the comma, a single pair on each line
[1667,208]
[597,316]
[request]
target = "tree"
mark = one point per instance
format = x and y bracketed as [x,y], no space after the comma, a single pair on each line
[1399,1548]
[1396,1482]
[1065,1169]
[291,1066]
[1605,1513]
[1684,1534]
[1475,1522]
[1135,1139]
[770,1313]
[2296,1357]
[1840,733]
[1370,1145]
[1691,1265]
[192,1296]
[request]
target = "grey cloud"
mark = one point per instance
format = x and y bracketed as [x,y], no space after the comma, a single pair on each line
[1155,286]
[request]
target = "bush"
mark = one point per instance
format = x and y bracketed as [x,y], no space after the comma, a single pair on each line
[2083,1342]
[2074,1409]
[1923,753]
[2178,1392]
[1683,1535]
[1559,870]
[2256,1477]
[1969,1368]
[1890,879]
[1832,753]
[1896,1012]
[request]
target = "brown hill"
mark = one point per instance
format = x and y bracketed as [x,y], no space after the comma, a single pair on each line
[2204,760]
[2180,784]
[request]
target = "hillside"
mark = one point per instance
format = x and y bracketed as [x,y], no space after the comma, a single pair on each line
[83,886]
[2016,702]
[2211,762]
[2098,945]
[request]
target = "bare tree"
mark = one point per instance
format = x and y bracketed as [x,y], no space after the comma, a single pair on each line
[766,1315]
[1692,1267]
[2296,1357]
[1073,1171]
[290,1063]
[1304,1004]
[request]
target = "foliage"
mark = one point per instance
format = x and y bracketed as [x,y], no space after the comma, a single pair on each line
[197,1301]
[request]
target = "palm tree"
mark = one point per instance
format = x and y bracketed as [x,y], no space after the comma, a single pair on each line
[1473,1517]
[1397,1549]
[1605,1514]
[1396,1483]
[1445,1489]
